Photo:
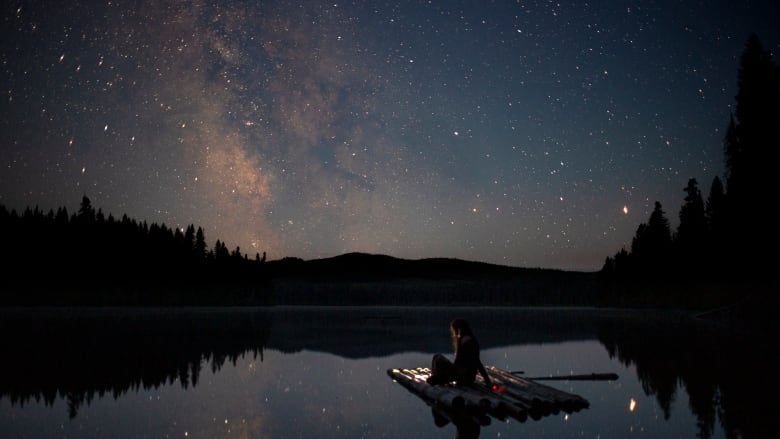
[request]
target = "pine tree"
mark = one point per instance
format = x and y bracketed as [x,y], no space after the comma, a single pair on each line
[752,146]
[86,211]
[715,212]
[691,232]
[189,239]
[651,247]
[200,244]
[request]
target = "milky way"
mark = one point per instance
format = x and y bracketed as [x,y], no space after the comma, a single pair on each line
[534,134]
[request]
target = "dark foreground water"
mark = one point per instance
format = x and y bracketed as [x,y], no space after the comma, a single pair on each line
[206,373]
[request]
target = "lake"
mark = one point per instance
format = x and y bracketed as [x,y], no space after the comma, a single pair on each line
[322,372]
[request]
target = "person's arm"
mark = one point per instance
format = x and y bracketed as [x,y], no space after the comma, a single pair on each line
[484,374]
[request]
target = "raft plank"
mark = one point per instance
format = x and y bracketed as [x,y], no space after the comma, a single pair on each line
[541,392]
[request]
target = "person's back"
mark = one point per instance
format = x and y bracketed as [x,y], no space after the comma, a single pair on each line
[467,360]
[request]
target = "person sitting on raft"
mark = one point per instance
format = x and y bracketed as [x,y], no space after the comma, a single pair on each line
[467,363]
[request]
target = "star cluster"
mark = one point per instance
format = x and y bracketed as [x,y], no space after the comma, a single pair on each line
[527,133]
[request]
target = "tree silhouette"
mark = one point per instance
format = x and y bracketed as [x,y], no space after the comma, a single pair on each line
[652,244]
[189,239]
[97,260]
[728,238]
[200,244]
[690,238]
[86,212]
[715,214]
[752,145]
[734,159]
[715,210]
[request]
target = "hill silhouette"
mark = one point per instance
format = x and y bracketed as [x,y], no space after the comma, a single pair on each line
[357,264]
[375,279]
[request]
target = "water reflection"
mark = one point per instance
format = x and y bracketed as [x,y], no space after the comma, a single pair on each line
[720,372]
[81,356]
[465,427]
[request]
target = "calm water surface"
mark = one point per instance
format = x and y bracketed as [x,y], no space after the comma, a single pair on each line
[321,372]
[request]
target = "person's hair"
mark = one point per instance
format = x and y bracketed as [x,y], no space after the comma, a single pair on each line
[462,326]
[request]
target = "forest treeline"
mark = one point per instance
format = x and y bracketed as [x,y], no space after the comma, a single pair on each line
[730,237]
[91,258]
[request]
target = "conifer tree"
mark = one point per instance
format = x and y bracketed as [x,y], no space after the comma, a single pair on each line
[752,149]
[86,211]
[200,244]
[189,239]
[651,247]
[691,232]
[715,211]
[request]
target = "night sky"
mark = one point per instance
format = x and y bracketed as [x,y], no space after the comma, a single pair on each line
[525,133]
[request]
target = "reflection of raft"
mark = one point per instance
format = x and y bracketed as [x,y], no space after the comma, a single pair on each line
[511,396]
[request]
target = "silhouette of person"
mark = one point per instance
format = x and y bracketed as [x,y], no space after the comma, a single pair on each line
[467,363]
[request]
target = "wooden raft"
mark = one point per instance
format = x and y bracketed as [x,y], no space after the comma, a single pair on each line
[511,396]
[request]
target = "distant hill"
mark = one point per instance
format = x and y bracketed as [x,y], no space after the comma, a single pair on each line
[372,279]
[362,265]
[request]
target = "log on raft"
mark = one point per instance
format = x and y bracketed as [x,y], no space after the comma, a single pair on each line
[449,402]
[537,394]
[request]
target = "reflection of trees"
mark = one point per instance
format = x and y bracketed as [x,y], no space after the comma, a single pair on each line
[720,371]
[97,354]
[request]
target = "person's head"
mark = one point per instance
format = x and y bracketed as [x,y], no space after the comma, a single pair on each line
[459,328]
